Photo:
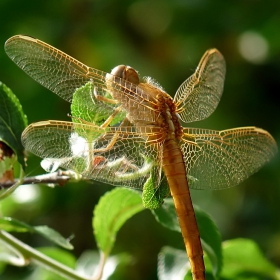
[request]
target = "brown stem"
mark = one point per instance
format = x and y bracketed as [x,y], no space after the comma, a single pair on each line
[58,178]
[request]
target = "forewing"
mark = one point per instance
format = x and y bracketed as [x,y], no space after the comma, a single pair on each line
[63,75]
[52,68]
[199,95]
[113,155]
[222,159]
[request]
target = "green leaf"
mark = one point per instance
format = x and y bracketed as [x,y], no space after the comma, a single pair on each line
[85,107]
[153,197]
[112,211]
[243,259]
[172,264]
[12,122]
[166,215]
[211,239]
[10,224]
[53,236]
[4,258]
[59,255]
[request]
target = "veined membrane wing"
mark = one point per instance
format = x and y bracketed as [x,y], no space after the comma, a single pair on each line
[115,155]
[130,134]
[199,95]
[222,159]
[63,75]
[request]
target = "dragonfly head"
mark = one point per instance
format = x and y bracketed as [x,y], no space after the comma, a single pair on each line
[127,73]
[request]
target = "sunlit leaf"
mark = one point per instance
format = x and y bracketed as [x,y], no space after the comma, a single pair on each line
[153,197]
[243,259]
[53,236]
[89,262]
[166,215]
[112,211]
[99,111]
[172,264]
[4,257]
[10,224]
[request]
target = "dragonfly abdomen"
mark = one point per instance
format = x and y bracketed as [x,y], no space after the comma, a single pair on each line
[175,171]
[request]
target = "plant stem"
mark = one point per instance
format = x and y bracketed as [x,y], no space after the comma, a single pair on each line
[32,255]
[101,265]
[58,178]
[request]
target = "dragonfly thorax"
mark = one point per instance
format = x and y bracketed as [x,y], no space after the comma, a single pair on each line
[170,120]
[146,103]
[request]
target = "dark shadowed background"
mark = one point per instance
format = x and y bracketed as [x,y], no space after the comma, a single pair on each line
[164,40]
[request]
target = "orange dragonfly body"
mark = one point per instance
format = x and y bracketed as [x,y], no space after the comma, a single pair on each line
[131,130]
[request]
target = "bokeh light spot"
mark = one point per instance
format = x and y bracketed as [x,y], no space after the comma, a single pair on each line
[253,47]
[26,193]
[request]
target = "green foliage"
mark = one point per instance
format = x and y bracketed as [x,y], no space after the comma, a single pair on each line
[112,211]
[211,239]
[57,254]
[88,264]
[12,122]
[95,113]
[13,225]
[162,39]
[172,264]
[81,97]
[243,259]
[153,197]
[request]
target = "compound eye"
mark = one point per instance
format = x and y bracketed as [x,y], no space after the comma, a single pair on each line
[119,71]
[127,73]
[131,75]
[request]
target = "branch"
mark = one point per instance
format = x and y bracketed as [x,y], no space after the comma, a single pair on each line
[26,254]
[58,178]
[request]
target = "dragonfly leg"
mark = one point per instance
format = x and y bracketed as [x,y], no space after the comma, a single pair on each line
[110,118]
[109,146]
[127,164]
[102,98]
[114,138]
[106,123]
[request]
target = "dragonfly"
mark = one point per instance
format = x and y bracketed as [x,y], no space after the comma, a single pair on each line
[127,131]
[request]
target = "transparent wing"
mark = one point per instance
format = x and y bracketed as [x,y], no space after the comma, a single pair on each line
[222,159]
[63,75]
[199,95]
[115,155]
[50,67]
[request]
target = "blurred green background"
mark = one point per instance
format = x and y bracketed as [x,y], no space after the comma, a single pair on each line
[164,40]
